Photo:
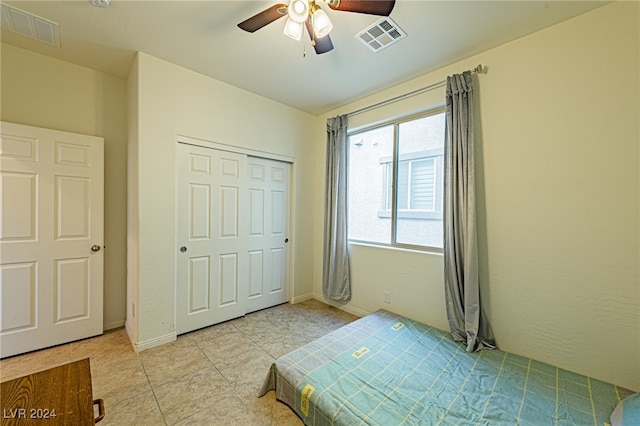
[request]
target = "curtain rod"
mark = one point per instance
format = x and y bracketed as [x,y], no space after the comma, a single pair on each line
[475,70]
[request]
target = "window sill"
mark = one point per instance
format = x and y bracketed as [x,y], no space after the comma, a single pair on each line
[431,250]
[411,214]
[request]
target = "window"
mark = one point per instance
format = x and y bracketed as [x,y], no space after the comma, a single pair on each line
[395,182]
[417,185]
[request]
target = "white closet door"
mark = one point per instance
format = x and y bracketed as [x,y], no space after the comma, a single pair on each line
[51,236]
[268,233]
[212,243]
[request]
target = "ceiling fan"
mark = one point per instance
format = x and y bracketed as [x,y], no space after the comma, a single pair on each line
[306,13]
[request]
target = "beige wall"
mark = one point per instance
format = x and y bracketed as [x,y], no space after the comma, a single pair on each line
[172,101]
[558,139]
[45,92]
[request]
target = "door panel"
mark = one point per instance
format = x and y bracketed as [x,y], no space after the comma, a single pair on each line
[256,212]
[277,219]
[19,192]
[19,286]
[52,214]
[200,212]
[229,285]
[256,266]
[70,289]
[72,208]
[277,260]
[229,199]
[211,207]
[199,274]
[269,213]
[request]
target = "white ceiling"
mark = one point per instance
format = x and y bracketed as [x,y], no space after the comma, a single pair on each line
[203,36]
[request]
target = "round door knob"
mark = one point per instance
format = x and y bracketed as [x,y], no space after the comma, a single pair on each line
[183,249]
[95,248]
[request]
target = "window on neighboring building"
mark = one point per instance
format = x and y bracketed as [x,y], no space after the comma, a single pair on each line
[395,182]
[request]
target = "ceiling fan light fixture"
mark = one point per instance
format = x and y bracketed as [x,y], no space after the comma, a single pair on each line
[293,29]
[298,10]
[322,25]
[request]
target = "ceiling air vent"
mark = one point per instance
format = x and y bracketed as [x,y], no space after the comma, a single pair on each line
[29,25]
[381,34]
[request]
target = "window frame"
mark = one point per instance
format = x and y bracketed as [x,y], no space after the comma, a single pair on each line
[394,214]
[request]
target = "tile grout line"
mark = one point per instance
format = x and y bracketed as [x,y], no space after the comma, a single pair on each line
[153,392]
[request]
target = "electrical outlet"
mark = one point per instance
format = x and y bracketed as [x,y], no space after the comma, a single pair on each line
[387,296]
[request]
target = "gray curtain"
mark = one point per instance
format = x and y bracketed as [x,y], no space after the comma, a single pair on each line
[335,279]
[462,285]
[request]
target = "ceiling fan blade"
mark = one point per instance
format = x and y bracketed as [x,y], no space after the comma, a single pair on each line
[263,18]
[372,7]
[322,45]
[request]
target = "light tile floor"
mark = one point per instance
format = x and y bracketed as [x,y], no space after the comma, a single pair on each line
[207,377]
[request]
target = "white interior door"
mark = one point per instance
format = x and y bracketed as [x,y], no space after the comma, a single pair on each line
[268,233]
[211,236]
[51,235]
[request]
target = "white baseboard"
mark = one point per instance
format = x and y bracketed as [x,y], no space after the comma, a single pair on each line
[112,325]
[345,307]
[298,299]
[152,343]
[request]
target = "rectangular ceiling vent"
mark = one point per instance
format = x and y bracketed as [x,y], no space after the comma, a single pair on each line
[29,25]
[381,34]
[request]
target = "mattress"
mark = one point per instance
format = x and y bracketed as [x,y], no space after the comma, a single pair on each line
[384,369]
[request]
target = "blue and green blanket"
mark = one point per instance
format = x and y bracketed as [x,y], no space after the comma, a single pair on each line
[387,370]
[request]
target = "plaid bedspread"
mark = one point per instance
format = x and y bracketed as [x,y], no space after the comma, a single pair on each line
[386,370]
